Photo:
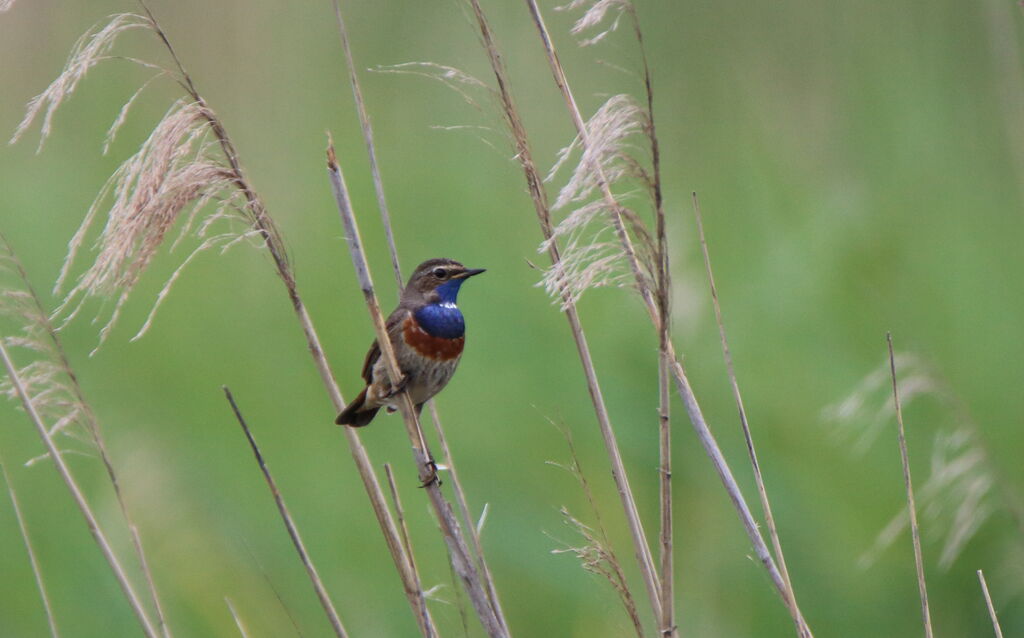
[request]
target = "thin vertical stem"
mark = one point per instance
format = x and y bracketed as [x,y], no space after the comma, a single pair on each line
[289,523]
[915,532]
[371,151]
[693,410]
[396,502]
[667,620]
[460,556]
[79,498]
[367,130]
[988,603]
[36,571]
[238,620]
[93,426]
[460,499]
[802,629]
[641,548]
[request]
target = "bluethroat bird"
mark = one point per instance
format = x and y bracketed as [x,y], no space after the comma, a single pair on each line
[427,331]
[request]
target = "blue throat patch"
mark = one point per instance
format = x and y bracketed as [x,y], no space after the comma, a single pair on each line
[443,319]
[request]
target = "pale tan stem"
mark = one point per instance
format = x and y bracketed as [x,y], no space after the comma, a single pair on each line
[264,224]
[988,603]
[539,197]
[461,558]
[643,286]
[289,523]
[79,498]
[426,621]
[802,629]
[915,532]
[37,572]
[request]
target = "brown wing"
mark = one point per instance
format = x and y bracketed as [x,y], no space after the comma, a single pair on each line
[393,326]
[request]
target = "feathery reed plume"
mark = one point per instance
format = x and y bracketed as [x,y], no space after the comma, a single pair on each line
[596,555]
[91,49]
[449,461]
[915,533]
[6,4]
[762,492]
[588,259]
[174,170]
[989,605]
[535,187]
[195,188]
[289,523]
[958,495]
[460,557]
[51,620]
[56,393]
[58,460]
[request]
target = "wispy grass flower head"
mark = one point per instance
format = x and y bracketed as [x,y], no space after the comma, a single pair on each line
[957,497]
[184,175]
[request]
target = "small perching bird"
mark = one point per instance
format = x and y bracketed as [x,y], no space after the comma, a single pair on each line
[427,331]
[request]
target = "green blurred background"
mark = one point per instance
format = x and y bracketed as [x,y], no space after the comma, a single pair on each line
[859,167]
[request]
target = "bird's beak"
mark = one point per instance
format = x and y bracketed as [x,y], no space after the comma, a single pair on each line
[466,274]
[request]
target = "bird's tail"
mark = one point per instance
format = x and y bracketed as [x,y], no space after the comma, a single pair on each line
[357,413]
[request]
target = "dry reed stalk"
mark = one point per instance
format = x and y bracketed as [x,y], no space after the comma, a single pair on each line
[461,557]
[367,131]
[988,603]
[460,498]
[678,372]
[427,621]
[596,555]
[802,629]
[915,532]
[667,571]
[371,149]
[58,460]
[62,392]
[238,619]
[251,209]
[538,195]
[264,224]
[51,619]
[289,523]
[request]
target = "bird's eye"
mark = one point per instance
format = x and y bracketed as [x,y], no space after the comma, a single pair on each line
[440,273]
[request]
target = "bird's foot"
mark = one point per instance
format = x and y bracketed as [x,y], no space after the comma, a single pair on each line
[396,388]
[431,478]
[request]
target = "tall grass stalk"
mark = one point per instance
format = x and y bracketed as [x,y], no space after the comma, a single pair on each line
[76,493]
[461,558]
[773,532]
[135,234]
[538,195]
[289,523]
[37,572]
[683,387]
[39,326]
[915,532]
[989,605]
[385,217]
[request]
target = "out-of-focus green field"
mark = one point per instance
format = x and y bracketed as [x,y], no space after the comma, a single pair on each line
[860,169]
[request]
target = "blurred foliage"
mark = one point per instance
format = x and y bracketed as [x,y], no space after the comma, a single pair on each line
[860,171]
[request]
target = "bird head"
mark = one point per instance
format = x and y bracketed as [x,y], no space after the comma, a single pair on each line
[437,281]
